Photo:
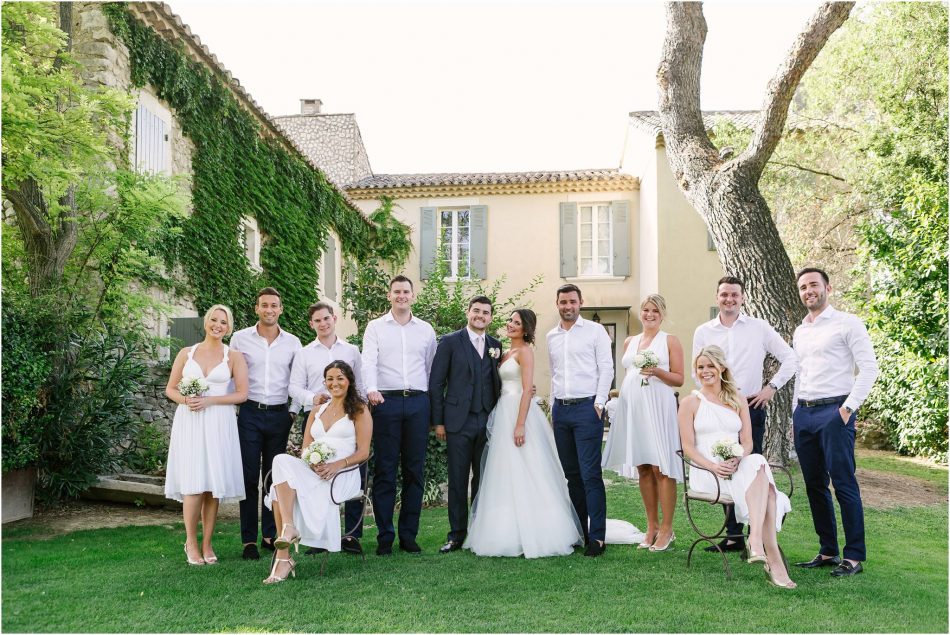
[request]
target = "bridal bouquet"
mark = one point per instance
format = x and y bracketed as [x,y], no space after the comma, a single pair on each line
[192,386]
[645,359]
[726,449]
[317,452]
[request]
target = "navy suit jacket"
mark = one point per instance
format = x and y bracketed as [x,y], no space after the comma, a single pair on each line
[452,378]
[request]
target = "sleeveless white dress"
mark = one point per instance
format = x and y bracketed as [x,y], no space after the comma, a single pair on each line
[644,429]
[315,516]
[204,452]
[522,506]
[714,423]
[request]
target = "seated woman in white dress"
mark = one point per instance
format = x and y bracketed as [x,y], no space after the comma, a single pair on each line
[305,511]
[204,453]
[717,412]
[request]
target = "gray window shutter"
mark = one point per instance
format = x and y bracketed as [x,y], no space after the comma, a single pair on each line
[568,240]
[621,221]
[478,235]
[329,268]
[427,237]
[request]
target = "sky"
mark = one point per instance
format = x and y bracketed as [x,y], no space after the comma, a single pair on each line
[485,86]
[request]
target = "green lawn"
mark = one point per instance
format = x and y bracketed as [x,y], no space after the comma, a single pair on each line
[134,579]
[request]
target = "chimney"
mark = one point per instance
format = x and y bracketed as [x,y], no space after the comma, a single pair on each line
[310,106]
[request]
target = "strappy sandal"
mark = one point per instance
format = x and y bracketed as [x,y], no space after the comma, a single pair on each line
[284,543]
[273,578]
[200,562]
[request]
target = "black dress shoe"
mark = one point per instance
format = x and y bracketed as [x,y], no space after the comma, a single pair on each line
[251,552]
[351,545]
[594,549]
[452,545]
[846,568]
[819,561]
[384,549]
[726,545]
[268,545]
[314,551]
[409,546]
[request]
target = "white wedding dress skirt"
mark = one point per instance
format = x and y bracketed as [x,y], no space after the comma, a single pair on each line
[204,452]
[315,516]
[522,506]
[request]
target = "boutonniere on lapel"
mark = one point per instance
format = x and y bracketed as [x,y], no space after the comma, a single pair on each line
[494,352]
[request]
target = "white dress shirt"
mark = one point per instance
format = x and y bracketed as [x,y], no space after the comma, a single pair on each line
[745,343]
[397,356]
[268,365]
[306,376]
[580,359]
[830,349]
[478,341]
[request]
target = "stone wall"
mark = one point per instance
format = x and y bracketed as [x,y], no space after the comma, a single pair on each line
[151,403]
[332,142]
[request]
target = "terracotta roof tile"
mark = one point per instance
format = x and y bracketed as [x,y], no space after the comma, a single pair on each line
[386,181]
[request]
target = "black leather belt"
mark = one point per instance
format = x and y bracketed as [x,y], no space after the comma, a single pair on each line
[811,403]
[402,393]
[574,401]
[256,405]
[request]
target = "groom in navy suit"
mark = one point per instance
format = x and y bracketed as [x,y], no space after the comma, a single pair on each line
[463,389]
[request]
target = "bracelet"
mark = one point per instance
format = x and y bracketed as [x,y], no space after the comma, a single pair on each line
[346,462]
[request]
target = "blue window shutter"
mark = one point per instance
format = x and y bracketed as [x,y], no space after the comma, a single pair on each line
[568,240]
[427,236]
[478,235]
[621,247]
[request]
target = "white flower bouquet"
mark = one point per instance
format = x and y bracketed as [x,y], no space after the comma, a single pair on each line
[316,453]
[726,449]
[192,386]
[645,359]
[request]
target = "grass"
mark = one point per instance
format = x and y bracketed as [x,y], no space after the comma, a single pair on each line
[881,461]
[134,579]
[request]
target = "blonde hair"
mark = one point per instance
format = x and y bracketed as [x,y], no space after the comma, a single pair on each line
[658,301]
[729,394]
[227,312]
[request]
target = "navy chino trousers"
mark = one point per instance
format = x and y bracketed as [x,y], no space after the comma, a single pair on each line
[578,435]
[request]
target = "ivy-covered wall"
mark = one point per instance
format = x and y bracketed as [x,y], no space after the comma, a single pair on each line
[237,172]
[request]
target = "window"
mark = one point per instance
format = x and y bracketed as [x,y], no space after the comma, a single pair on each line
[594,240]
[454,240]
[249,238]
[151,128]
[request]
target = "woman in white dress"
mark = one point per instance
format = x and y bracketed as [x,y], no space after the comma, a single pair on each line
[718,412]
[522,506]
[305,511]
[643,437]
[204,453]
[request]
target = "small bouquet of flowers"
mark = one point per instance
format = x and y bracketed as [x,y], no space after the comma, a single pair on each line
[192,386]
[316,453]
[726,449]
[645,359]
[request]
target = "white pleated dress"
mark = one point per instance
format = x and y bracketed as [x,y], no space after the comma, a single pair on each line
[715,423]
[315,516]
[204,452]
[644,429]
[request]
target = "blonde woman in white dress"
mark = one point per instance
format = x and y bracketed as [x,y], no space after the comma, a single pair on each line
[719,412]
[643,437]
[204,453]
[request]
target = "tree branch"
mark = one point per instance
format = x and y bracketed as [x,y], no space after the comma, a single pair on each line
[781,89]
[804,169]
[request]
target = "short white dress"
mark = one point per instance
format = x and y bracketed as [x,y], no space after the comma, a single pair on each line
[204,452]
[644,429]
[315,516]
[714,423]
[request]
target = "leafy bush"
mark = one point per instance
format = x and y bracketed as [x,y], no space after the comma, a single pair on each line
[147,453]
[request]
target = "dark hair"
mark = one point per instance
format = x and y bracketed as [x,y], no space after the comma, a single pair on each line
[400,278]
[319,306]
[269,291]
[569,288]
[481,299]
[824,276]
[529,322]
[731,280]
[353,404]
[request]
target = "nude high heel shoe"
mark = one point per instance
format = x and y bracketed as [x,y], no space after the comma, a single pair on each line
[195,563]
[283,542]
[273,578]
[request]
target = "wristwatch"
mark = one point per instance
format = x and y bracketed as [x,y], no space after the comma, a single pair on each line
[849,409]
[773,386]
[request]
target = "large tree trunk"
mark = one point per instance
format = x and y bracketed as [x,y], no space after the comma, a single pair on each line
[725,192]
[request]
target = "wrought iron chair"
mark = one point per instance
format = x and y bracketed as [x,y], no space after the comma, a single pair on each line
[719,498]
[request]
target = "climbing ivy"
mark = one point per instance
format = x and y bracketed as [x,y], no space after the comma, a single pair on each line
[238,172]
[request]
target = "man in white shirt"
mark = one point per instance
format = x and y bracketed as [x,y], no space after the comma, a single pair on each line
[397,357]
[746,341]
[264,420]
[582,369]
[307,387]
[831,344]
